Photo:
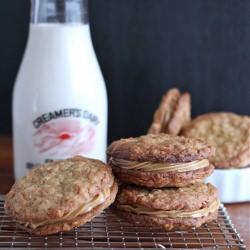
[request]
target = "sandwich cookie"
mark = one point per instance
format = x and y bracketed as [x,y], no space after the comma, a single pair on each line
[160,160]
[60,195]
[171,209]
[173,112]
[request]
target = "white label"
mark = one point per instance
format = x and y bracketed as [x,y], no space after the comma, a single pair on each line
[65,132]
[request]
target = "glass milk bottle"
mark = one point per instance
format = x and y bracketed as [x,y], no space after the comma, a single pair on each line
[59,98]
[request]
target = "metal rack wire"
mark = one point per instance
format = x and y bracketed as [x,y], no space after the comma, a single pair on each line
[107,231]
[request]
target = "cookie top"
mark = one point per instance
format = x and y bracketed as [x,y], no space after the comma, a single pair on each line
[160,148]
[228,132]
[54,189]
[192,197]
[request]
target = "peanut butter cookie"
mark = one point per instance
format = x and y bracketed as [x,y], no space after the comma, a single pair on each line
[169,208]
[160,160]
[60,195]
[228,132]
[181,115]
[172,114]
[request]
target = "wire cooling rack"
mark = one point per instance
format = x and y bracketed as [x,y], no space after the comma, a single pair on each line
[107,231]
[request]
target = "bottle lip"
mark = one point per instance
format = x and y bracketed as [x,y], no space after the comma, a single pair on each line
[59,11]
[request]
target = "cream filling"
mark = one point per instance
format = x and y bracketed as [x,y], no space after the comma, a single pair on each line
[171,214]
[84,208]
[161,167]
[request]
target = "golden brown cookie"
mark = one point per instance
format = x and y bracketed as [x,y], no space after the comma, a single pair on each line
[165,111]
[172,114]
[160,160]
[181,115]
[60,195]
[169,208]
[228,132]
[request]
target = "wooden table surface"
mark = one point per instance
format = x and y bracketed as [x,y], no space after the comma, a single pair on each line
[239,213]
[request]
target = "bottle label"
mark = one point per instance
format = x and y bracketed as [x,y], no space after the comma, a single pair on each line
[65,132]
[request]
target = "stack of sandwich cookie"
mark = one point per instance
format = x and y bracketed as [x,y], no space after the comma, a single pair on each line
[60,195]
[163,181]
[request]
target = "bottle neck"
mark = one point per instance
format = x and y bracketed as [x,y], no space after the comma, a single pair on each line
[59,11]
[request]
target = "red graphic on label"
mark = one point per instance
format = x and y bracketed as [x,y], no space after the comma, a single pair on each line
[65,137]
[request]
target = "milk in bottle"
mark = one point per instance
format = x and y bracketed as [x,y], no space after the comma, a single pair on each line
[59,98]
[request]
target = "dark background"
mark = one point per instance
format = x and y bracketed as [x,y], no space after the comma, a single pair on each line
[144,48]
